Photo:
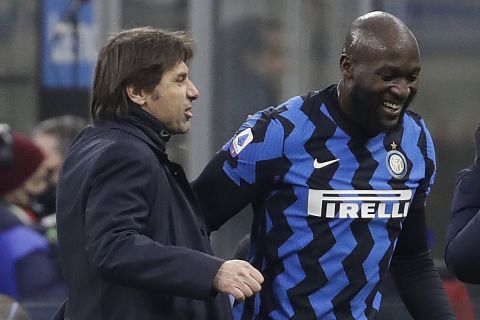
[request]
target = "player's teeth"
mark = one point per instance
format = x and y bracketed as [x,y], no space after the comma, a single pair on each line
[392,105]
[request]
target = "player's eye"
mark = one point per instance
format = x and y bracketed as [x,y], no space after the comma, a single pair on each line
[387,77]
[412,77]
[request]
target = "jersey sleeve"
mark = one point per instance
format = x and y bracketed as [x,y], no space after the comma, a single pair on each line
[242,170]
[257,142]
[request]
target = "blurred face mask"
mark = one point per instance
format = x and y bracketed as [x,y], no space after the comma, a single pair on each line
[43,204]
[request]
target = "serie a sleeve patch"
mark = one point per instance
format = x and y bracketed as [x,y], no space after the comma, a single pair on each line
[240,141]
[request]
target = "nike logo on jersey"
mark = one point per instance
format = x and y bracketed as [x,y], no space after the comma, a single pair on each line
[319,165]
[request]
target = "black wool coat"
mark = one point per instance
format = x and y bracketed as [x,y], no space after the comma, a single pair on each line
[133,241]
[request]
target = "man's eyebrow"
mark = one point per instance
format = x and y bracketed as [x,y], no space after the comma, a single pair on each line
[389,67]
[182,73]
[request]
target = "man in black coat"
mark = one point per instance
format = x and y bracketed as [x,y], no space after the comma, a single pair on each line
[133,241]
[463,233]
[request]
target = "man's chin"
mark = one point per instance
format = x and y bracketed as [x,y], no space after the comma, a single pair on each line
[182,129]
[391,125]
[384,126]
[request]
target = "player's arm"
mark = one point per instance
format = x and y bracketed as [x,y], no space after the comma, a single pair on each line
[243,171]
[414,272]
[219,196]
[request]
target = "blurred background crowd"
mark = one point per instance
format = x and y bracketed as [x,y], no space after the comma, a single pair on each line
[249,54]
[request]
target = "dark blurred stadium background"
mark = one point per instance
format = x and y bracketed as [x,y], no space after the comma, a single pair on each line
[48,49]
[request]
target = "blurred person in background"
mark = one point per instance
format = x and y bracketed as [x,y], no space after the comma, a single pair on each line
[338,180]
[249,70]
[463,232]
[27,269]
[11,309]
[54,136]
[133,241]
[248,75]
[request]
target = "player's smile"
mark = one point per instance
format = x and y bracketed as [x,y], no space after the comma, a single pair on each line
[391,111]
[392,108]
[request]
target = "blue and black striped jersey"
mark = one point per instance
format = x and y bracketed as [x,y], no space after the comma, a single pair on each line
[329,205]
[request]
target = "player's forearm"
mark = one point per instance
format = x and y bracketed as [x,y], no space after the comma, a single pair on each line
[219,197]
[420,287]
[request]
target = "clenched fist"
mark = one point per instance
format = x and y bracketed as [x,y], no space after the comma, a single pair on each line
[238,278]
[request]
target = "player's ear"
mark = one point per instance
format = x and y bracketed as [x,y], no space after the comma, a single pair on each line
[136,95]
[346,66]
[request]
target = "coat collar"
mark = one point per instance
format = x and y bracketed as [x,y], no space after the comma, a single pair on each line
[135,131]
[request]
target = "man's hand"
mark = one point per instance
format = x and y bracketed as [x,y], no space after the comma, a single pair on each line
[477,144]
[238,278]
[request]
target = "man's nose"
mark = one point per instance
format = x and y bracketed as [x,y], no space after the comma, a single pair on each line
[402,89]
[192,91]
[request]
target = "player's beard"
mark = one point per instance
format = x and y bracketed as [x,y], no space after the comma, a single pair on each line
[367,111]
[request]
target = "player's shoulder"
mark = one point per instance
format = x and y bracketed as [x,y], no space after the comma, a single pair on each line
[277,122]
[299,103]
[274,118]
[267,128]
[415,119]
[411,115]
[313,95]
[264,125]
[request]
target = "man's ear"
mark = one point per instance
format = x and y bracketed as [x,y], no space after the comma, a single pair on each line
[346,66]
[136,95]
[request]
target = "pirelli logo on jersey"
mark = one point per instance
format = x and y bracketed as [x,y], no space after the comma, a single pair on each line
[353,204]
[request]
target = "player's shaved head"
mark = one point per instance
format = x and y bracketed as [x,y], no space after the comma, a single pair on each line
[380,66]
[377,31]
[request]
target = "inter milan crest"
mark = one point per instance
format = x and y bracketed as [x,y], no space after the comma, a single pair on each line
[396,162]
[240,141]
